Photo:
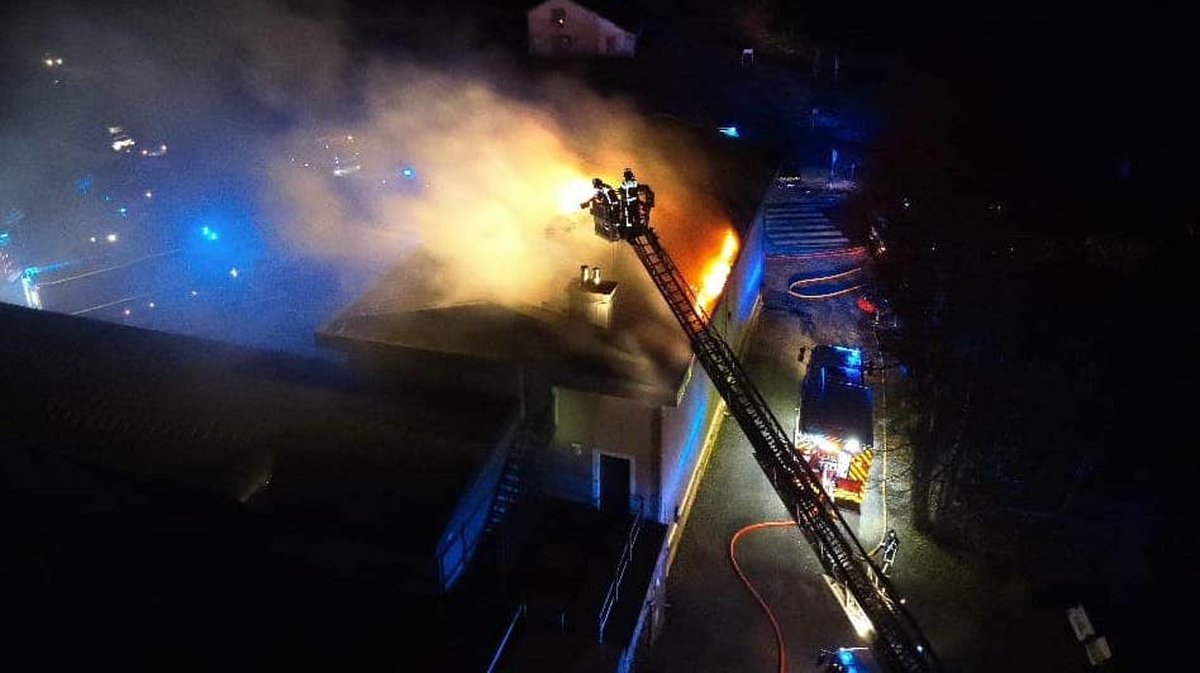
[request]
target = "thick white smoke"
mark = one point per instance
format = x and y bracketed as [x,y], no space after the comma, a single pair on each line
[470,173]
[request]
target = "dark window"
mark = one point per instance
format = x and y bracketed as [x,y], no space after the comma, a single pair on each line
[562,42]
[559,17]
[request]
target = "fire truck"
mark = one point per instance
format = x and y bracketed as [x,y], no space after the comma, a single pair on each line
[835,430]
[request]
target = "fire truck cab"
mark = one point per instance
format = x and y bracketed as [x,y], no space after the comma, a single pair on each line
[835,430]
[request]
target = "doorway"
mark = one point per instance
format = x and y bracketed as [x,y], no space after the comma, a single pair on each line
[615,476]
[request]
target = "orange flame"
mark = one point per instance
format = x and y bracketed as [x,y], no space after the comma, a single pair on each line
[716,272]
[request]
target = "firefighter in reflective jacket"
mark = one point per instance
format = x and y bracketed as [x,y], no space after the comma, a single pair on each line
[636,202]
[606,210]
[889,546]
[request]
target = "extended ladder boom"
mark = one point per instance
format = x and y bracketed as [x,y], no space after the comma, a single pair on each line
[898,643]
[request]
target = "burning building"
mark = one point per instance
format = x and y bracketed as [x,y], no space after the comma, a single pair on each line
[630,413]
[629,407]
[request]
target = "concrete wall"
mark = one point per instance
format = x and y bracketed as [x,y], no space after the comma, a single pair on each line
[589,424]
[587,33]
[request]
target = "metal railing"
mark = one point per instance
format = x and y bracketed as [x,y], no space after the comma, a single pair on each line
[614,587]
[512,624]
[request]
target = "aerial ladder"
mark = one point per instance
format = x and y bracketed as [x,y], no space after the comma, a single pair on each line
[864,591]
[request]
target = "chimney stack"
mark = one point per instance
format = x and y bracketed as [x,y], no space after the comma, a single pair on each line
[591,298]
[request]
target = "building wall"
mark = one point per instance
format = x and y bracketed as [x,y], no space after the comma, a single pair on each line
[735,311]
[687,427]
[667,443]
[684,430]
[589,424]
[582,33]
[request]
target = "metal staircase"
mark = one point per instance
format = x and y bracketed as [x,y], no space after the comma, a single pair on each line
[533,433]
[796,221]
[897,642]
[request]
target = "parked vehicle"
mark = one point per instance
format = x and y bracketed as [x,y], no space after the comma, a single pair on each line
[835,433]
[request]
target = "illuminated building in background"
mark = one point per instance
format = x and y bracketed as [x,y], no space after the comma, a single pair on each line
[563,28]
[120,140]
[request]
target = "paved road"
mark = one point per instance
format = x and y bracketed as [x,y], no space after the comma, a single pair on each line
[713,623]
[977,620]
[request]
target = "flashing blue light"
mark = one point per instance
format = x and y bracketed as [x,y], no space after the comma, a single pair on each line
[209,234]
[407,172]
[730,131]
[123,210]
[853,356]
[233,273]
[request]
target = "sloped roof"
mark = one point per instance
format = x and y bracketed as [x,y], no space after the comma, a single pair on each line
[623,14]
[213,418]
[570,352]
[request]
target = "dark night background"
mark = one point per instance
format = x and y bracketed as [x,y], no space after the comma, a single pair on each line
[1039,271]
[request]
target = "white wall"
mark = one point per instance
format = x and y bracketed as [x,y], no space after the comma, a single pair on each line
[591,423]
[589,33]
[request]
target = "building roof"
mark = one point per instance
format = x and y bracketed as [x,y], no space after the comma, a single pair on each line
[621,13]
[569,352]
[126,452]
[301,437]
[627,360]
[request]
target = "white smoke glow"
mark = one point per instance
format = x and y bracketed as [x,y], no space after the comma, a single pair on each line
[472,171]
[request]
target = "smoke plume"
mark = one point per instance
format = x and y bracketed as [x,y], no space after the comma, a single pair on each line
[460,179]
